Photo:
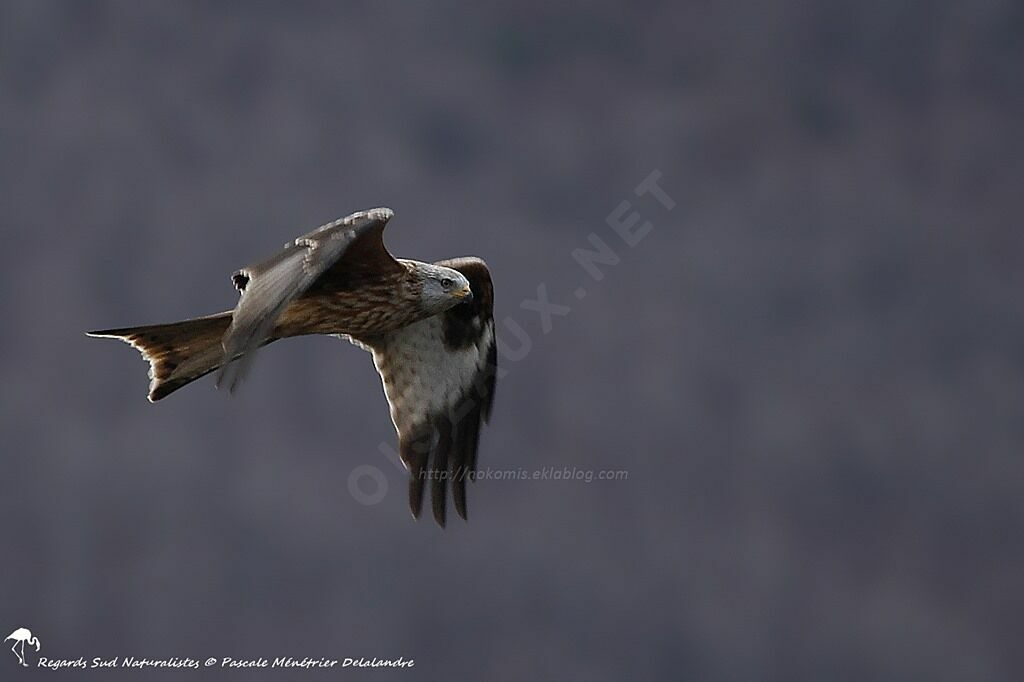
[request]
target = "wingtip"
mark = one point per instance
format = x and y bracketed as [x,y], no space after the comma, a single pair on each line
[415,499]
[104,334]
[440,508]
[459,493]
[229,377]
[381,213]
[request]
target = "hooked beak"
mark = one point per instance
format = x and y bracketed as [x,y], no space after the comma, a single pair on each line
[465,295]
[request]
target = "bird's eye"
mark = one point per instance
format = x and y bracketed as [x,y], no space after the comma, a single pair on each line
[447,283]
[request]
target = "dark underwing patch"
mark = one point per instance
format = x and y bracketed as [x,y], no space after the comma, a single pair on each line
[461,327]
[464,323]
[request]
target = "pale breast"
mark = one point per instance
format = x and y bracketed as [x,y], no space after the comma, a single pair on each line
[421,375]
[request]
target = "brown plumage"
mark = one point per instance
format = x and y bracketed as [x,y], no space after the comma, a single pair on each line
[429,326]
[439,376]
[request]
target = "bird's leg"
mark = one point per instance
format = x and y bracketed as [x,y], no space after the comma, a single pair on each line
[14,649]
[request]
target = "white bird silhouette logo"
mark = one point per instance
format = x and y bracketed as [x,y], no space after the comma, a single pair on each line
[20,636]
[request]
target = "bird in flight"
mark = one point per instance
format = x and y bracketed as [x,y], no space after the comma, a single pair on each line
[430,328]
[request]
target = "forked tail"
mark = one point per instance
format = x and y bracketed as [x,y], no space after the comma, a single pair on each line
[179,352]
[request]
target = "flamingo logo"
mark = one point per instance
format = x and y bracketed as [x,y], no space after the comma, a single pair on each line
[20,636]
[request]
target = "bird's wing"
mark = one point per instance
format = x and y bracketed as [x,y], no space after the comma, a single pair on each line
[439,376]
[326,253]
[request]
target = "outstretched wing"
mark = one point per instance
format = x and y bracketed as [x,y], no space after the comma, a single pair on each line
[354,242]
[439,377]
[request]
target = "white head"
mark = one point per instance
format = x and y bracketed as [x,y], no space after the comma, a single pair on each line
[443,288]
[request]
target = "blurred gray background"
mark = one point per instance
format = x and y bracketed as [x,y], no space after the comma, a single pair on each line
[811,367]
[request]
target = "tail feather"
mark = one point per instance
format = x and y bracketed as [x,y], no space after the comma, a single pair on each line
[178,353]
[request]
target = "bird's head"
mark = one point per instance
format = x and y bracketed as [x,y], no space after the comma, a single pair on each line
[443,288]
